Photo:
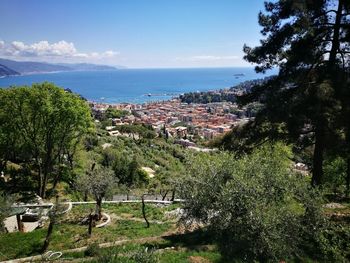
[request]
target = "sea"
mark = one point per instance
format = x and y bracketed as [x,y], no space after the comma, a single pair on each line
[139,85]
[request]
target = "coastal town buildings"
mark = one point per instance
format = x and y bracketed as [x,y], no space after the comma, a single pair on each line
[179,120]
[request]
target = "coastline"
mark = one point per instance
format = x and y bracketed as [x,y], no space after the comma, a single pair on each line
[137,86]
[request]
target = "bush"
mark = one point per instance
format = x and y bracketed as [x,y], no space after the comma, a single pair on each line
[255,206]
[121,254]
[92,250]
[145,256]
[335,175]
[332,244]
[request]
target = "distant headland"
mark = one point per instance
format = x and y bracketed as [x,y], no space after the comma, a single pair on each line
[12,68]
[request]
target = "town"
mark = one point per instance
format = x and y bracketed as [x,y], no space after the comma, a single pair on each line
[186,122]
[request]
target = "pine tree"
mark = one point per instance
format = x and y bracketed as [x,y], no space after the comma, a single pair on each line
[308,41]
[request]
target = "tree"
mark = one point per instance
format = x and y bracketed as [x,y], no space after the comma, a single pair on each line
[255,207]
[99,181]
[128,171]
[115,113]
[42,126]
[308,41]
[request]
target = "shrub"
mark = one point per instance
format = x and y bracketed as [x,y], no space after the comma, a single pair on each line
[145,256]
[92,250]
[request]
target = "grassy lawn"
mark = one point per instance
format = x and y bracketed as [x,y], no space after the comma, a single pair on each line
[68,233]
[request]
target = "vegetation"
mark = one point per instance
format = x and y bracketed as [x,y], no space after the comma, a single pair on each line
[99,182]
[208,97]
[255,206]
[224,95]
[251,203]
[68,233]
[41,127]
[306,103]
[115,113]
[5,205]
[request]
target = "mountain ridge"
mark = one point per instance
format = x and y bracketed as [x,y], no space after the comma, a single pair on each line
[32,67]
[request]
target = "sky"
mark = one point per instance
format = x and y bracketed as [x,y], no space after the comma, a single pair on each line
[131,33]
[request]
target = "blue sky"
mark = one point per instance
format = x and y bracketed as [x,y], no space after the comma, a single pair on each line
[133,33]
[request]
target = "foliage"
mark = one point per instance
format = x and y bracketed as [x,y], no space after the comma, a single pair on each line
[5,209]
[332,244]
[143,131]
[335,174]
[307,102]
[98,181]
[70,234]
[115,113]
[255,206]
[208,97]
[41,127]
[145,256]
[128,171]
[92,250]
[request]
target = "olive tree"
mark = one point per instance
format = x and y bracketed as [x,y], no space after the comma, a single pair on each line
[256,207]
[99,181]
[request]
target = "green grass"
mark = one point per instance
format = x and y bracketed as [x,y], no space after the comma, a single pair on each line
[125,253]
[68,233]
[184,256]
[16,245]
[127,210]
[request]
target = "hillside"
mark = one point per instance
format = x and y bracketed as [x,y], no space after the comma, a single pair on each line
[29,67]
[88,67]
[5,71]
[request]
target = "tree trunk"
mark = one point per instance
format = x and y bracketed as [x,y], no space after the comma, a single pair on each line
[317,172]
[48,235]
[348,177]
[85,196]
[91,221]
[347,158]
[143,211]
[43,186]
[50,229]
[40,181]
[163,195]
[19,223]
[173,196]
[57,178]
[98,208]
[335,38]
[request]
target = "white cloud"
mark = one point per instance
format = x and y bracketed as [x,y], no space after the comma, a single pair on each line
[43,49]
[207,58]
[110,53]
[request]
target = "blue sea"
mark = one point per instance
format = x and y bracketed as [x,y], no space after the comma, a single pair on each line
[138,85]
